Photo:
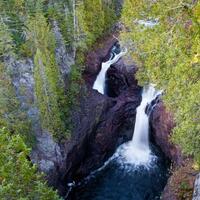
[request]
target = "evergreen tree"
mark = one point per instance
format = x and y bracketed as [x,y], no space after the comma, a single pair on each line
[19,179]
[94,18]
[6,42]
[48,84]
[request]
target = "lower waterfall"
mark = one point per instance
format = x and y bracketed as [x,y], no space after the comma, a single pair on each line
[138,170]
[137,151]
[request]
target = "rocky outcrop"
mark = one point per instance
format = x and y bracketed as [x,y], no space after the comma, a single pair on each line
[196,194]
[120,77]
[162,123]
[64,58]
[45,153]
[114,127]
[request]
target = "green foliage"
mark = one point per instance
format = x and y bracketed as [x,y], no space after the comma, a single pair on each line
[10,114]
[19,179]
[6,42]
[62,11]
[14,14]
[94,18]
[75,83]
[169,55]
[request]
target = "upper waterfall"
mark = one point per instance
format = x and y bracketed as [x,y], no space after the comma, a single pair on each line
[99,83]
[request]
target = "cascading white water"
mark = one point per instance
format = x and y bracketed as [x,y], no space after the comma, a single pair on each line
[99,83]
[137,151]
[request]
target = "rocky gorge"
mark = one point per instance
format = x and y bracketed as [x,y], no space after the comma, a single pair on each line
[103,122]
[116,126]
[79,115]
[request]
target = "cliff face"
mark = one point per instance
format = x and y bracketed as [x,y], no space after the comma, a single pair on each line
[46,152]
[162,123]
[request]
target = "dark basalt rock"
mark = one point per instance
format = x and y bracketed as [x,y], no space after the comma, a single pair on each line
[162,123]
[115,127]
[120,77]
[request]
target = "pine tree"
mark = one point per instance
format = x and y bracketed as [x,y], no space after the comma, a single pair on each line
[19,178]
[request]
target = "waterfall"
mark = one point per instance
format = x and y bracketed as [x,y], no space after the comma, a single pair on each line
[99,83]
[133,172]
[137,151]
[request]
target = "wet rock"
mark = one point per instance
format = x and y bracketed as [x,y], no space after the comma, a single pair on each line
[115,127]
[96,56]
[162,123]
[120,77]
[102,124]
